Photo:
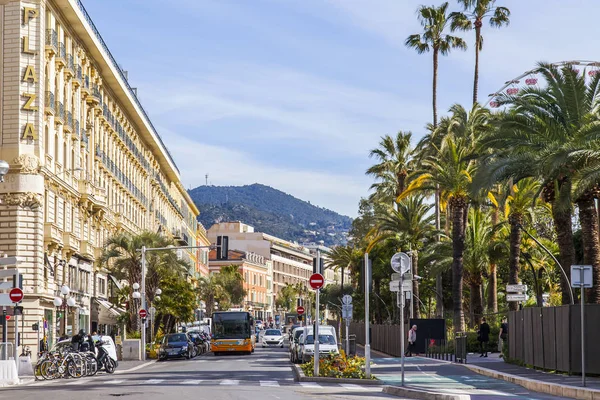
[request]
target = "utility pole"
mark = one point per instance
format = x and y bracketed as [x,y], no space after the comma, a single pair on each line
[367,326]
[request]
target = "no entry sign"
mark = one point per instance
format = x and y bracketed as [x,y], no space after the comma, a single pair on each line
[300,310]
[16,295]
[316,281]
[143,313]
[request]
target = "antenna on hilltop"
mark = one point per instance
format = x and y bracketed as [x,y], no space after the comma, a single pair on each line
[206,176]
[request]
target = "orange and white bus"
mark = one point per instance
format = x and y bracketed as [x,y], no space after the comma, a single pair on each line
[232,331]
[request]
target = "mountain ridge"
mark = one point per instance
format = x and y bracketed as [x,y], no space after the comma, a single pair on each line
[271,211]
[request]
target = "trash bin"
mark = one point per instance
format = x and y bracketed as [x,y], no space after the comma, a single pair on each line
[352,344]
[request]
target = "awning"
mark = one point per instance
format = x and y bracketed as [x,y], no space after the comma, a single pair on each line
[108,313]
[115,281]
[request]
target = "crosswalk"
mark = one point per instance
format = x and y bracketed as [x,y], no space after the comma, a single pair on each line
[198,382]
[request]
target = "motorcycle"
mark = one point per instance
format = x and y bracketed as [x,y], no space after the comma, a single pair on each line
[104,360]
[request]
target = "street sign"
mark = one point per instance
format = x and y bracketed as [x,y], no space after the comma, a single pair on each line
[394,286]
[347,311]
[316,281]
[516,288]
[347,299]
[407,286]
[9,261]
[401,263]
[300,310]
[588,277]
[143,313]
[517,297]
[7,317]
[16,295]
[396,276]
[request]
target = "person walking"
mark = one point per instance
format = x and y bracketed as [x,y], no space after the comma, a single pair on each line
[503,335]
[412,339]
[484,337]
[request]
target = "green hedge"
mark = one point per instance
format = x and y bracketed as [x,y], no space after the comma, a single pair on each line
[473,343]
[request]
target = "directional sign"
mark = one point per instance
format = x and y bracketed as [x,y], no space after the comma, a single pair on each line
[394,286]
[517,297]
[347,311]
[347,299]
[16,295]
[516,288]
[588,277]
[143,313]
[316,281]
[396,276]
[9,261]
[401,263]
[300,310]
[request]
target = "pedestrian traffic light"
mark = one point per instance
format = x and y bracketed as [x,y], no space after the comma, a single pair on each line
[35,327]
[300,317]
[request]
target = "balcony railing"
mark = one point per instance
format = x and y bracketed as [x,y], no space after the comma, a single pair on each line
[60,113]
[76,131]
[70,64]
[78,72]
[69,122]
[51,40]
[49,103]
[61,55]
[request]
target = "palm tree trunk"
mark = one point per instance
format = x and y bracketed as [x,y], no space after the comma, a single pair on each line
[476,301]
[415,271]
[492,297]
[458,248]
[591,246]
[477,44]
[515,254]
[439,302]
[564,234]
[435,73]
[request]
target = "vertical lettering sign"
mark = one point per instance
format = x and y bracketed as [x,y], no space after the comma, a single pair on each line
[30,76]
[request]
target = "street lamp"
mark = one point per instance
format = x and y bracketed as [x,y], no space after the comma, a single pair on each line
[64,305]
[4,167]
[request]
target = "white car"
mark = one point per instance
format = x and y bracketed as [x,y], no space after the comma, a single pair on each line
[272,337]
[327,343]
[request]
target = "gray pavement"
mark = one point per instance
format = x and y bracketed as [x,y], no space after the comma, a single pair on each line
[266,374]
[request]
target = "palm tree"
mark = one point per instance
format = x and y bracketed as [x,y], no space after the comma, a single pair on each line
[210,291]
[547,134]
[474,12]
[394,159]
[342,257]
[434,21]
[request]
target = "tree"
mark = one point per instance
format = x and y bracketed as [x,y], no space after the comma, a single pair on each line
[474,12]
[286,297]
[434,21]
[211,292]
[345,257]
[232,282]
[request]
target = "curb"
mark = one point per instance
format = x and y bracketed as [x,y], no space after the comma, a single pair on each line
[300,377]
[555,389]
[410,393]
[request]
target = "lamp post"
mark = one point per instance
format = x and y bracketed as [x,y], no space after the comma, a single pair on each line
[64,303]
[4,167]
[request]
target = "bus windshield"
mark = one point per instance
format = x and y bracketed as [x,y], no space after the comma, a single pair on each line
[232,325]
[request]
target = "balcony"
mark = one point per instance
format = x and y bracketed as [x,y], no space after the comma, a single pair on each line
[71,243]
[61,55]
[85,87]
[70,68]
[77,76]
[49,103]
[51,41]
[84,139]
[95,99]
[94,196]
[59,117]
[69,122]
[87,250]
[53,234]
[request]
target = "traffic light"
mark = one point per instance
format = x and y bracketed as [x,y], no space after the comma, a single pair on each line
[300,317]
[320,269]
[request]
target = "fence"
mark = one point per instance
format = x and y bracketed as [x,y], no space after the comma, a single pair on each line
[550,337]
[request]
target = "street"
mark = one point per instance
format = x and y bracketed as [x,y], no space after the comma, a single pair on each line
[266,374]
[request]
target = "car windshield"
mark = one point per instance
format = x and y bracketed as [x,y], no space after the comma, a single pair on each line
[323,339]
[298,333]
[273,332]
[180,337]
[232,325]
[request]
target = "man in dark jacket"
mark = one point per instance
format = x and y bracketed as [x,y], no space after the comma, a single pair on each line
[484,337]
[77,340]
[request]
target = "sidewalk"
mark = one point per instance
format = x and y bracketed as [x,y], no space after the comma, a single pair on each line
[481,376]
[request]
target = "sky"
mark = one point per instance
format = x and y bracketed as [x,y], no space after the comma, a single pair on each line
[295,93]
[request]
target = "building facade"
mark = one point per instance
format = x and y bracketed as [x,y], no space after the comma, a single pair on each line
[85,163]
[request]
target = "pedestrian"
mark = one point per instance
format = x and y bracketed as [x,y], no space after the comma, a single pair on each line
[77,340]
[483,337]
[412,339]
[503,335]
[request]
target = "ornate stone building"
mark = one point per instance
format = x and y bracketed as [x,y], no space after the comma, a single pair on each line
[85,162]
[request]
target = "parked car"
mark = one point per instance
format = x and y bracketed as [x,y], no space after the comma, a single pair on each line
[291,330]
[327,342]
[176,345]
[272,337]
[294,344]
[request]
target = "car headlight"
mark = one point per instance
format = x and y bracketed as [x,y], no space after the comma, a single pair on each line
[184,348]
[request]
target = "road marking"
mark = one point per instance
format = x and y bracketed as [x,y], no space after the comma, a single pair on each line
[232,382]
[124,371]
[154,381]
[192,382]
[269,383]
[77,382]
[114,382]
[352,386]
[310,384]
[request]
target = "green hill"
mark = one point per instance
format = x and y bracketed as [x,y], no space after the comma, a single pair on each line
[271,211]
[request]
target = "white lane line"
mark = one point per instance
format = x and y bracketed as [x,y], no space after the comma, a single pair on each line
[154,381]
[192,382]
[232,382]
[269,383]
[352,386]
[114,382]
[77,382]
[310,384]
[124,371]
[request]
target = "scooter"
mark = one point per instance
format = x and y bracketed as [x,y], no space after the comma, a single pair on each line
[104,360]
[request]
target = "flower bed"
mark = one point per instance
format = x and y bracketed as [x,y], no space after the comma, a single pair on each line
[337,366]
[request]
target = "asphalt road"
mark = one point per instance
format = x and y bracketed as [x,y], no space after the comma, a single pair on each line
[264,375]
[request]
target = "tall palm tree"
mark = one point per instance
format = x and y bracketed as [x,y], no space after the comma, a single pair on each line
[394,156]
[210,291]
[345,257]
[411,226]
[473,15]
[547,134]
[434,21]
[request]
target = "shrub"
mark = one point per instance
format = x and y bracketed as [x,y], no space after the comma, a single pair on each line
[337,366]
